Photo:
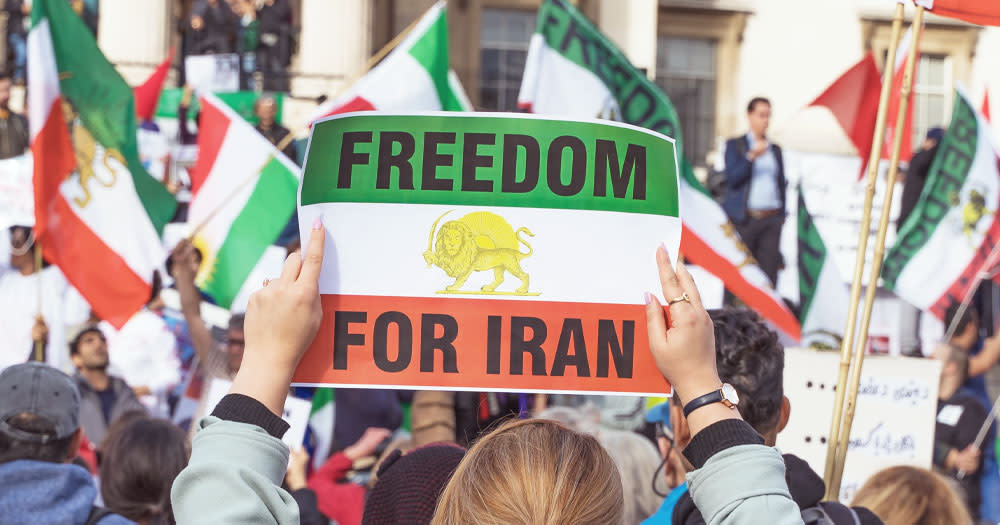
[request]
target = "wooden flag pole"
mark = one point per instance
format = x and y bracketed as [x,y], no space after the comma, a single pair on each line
[846,344]
[883,227]
[39,345]
[280,146]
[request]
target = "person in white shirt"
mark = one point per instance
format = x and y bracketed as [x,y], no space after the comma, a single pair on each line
[144,354]
[20,293]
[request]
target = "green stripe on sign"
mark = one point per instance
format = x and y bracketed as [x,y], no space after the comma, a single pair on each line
[255,228]
[490,160]
[431,51]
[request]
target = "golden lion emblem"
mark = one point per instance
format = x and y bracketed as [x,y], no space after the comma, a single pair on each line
[478,242]
[85,149]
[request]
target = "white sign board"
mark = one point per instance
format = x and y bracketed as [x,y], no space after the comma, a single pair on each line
[296,412]
[17,195]
[893,423]
[213,73]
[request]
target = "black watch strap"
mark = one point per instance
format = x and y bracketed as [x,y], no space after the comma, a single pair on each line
[698,402]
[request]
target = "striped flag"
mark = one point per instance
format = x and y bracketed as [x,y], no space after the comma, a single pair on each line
[823,296]
[950,236]
[321,420]
[420,63]
[243,195]
[574,70]
[98,213]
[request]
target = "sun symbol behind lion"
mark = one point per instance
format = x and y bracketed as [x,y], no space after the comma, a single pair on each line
[478,242]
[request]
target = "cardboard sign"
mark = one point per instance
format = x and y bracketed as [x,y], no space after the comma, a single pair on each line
[296,412]
[893,423]
[487,251]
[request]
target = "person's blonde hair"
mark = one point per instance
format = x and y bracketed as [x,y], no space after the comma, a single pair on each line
[912,496]
[533,471]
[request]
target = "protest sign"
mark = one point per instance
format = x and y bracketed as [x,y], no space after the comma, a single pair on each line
[17,194]
[487,252]
[213,73]
[295,412]
[893,425]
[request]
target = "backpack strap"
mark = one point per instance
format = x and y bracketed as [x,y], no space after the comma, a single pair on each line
[97,514]
[830,513]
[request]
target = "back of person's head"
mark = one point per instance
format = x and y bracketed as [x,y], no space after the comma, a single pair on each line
[637,461]
[912,496]
[39,414]
[750,358]
[138,467]
[533,471]
[409,483]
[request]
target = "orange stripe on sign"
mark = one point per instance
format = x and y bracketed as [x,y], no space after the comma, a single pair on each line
[481,344]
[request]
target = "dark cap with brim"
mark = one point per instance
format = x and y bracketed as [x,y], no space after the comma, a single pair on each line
[38,390]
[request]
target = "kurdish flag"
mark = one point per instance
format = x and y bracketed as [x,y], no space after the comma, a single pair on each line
[243,195]
[420,63]
[823,297]
[98,213]
[951,233]
[574,70]
[509,252]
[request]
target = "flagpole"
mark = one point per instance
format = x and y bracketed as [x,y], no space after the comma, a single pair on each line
[883,227]
[847,342]
[39,345]
[283,143]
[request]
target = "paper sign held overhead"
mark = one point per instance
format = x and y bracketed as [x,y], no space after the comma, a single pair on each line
[487,252]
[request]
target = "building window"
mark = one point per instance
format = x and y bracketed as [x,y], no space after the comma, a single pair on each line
[686,70]
[506,34]
[931,95]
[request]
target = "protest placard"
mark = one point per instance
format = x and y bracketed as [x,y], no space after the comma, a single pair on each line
[893,425]
[213,73]
[487,251]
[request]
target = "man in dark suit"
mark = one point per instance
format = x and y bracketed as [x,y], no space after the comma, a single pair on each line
[755,188]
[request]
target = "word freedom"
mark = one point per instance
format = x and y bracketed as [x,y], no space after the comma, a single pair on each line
[520,160]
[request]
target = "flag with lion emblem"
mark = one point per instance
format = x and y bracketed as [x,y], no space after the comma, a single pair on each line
[951,234]
[98,214]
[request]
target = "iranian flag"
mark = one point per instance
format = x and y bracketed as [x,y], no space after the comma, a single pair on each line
[951,233]
[823,297]
[574,70]
[321,420]
[415,76]
[98,213]
[982,12]
[243,195]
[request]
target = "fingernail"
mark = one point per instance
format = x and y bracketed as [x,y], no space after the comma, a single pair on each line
[663,246]
[318,223]
[647,298]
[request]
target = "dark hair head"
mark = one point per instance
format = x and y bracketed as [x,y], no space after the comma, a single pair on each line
[5,74]
[53,451]
[750,358]
[170,261]
[236,321]
[74,345]
[138,467]
[757,100]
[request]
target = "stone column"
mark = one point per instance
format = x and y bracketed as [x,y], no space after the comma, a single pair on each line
[134,35]
[632,27]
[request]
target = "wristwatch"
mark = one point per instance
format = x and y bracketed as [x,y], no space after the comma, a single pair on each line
[726,395]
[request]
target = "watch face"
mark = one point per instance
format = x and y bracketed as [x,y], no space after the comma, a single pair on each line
[729,394]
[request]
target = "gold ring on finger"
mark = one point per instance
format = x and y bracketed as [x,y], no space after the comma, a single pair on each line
[684,297]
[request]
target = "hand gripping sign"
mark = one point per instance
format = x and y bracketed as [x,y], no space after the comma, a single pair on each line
[487,251]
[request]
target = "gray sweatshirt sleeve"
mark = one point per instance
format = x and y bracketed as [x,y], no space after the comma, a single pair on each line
[234,476]
[739,480]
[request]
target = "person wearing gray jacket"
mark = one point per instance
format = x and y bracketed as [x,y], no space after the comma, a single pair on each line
[238,460]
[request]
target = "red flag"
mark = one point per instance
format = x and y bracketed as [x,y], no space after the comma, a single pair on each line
[986,105]
[982,12]
[148,94]
[853,100]
[906,150]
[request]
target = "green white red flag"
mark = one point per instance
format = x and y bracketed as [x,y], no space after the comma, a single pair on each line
[243,195]
[823,296]
[415,76]
[950,236]
[98,213]
[573,70]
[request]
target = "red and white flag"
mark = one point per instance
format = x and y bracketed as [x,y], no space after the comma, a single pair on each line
[895,95]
